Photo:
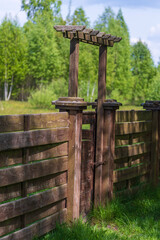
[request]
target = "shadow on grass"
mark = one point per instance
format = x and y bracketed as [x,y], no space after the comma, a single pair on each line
[136,218]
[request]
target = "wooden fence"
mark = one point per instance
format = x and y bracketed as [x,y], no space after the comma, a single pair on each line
[38,168]
[33,174]
[133,139]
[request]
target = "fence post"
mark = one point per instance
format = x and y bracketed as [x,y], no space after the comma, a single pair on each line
[74,106]
[110,107]
[154,106]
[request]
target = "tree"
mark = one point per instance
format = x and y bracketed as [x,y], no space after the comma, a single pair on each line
[118,58]
[143,70]
[79,18]
[34,8]
[13,50]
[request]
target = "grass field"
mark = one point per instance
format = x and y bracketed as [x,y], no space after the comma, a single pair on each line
[15,107]
[135,218]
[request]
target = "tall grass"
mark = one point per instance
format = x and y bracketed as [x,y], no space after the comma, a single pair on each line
[135,218]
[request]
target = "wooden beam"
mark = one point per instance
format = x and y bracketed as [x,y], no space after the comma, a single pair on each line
[154,150]
[108,155]
[61,28]
[73,68]
[100,123]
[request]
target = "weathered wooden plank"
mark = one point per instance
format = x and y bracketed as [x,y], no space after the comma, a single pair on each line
[108,155]
[39,228]
[154,178]
[8,158]
[47,182]
[87,30]
[87,134]
[14,191]
[32,138]
[30,171]
[73,68]
[12,157]
[86,197]
[100,123]
[89,117]
[12,224]
[45,211]
[49,120]
[10,123]
[74,165]
[136,138]
[133,127]
[127,151]
[129,173]
[10,192]
[31,203]
[139,115]
[61,28]
[48,151]
[138,159]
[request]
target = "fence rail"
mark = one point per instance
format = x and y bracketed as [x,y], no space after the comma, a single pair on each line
[45,173]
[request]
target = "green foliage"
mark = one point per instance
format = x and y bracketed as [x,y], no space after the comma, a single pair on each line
[45,94]
[79,18]
[13,56]
[154,88]
[36,54]
[143,71]
[34,8]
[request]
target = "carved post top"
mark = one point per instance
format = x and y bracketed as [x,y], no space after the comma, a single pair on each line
[151,105]
[70,103]
[108,104]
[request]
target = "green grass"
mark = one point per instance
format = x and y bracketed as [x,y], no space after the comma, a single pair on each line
[17,107]
[135,218]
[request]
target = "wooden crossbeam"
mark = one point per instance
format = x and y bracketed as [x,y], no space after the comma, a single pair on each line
[87,35]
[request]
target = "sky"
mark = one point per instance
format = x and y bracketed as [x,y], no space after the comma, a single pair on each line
[141,16]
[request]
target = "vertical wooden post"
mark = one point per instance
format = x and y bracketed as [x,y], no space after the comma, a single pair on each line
[74,164]
[100,124]
[155,149]
[74,106]
[25,160]
[73,68]
[155,145]
[108,149]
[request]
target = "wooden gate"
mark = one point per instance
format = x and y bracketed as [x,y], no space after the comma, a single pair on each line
[87,164]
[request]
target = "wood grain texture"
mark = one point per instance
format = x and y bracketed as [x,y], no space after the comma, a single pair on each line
[40,228]
[11,225]
[30,171]
[139,115]
[133,127]
[18,140]
[74,165]
[129,173]
[60,28]
[108,155]
[31,203]
[49,120]
[100,123]
[131,150]
[155,150]
[38,184]
[136,138]
[73,68]
[12,157]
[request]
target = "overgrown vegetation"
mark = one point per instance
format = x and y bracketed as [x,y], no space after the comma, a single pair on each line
[35,55]
[136,218]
